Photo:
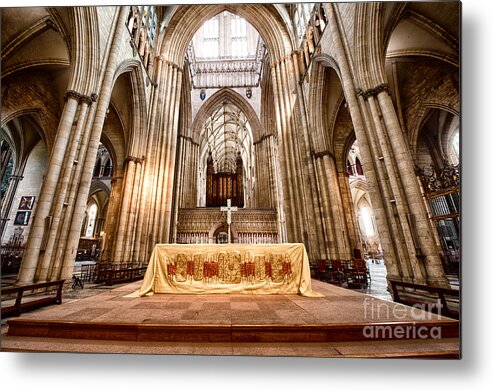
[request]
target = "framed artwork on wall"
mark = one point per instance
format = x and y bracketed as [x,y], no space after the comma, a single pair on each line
[27,202]
[22,218]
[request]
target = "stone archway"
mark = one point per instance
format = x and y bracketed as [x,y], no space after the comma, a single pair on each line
[219,227]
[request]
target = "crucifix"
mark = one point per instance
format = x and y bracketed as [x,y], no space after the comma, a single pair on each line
[228,209]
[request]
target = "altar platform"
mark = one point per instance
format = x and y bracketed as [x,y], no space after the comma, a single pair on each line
[341,323]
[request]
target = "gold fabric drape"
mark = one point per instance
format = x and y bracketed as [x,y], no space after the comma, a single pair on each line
[228,268]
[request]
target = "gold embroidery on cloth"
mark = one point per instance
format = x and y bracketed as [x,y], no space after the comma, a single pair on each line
[198,270]
[181,267]
[230,267]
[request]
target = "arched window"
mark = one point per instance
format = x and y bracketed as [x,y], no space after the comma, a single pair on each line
[359,167]
[107,169]
[367,221]
[92,214]
[97,168]
[7,167]
[239,46]
[211,38]
[301,18]
[455,148]
[349,168]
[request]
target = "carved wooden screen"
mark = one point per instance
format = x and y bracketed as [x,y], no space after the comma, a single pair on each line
[223,186]
[442,191]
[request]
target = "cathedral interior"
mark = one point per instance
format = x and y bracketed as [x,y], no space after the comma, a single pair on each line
[335,125]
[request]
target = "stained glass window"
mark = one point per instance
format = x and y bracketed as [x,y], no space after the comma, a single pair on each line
[92,213]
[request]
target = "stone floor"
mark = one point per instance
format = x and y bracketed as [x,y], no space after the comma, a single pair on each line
[338,305]
[378,286]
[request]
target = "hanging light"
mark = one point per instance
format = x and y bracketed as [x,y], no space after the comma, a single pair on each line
[202,94]
[249,92]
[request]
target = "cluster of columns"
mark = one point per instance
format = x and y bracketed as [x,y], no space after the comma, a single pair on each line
[187,172]
[296,167]
[157,199]
[338,232]
[54,235]
[405,231]
[311,197]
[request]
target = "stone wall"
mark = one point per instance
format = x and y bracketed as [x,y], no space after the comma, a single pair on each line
[28,186]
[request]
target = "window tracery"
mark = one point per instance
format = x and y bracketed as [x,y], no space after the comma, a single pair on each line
[142,23]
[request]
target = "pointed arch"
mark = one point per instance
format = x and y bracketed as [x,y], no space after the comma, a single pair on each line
[265,18]
[137,137]
[216,100]
[84,71]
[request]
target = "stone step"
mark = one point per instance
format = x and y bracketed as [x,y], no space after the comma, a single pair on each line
[444,348]
[343,332]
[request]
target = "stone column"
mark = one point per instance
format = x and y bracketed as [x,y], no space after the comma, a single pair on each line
[326,226]
[397,198]
[90,158]
[147,169]
[349,212]
[290,218]
[305,145]
[422,232]
[171,156]
[159,169]
[121,235]
[110,226]
[69,203]
[48,188]
[130,231]
[63,186]
[359,120]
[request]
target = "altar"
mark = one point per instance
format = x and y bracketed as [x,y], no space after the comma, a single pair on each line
[228,268]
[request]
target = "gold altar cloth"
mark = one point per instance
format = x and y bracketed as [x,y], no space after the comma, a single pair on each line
[228,268]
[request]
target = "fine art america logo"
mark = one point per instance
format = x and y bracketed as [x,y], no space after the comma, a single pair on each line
[381,311]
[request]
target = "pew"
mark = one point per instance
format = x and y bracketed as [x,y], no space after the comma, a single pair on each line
[111,274]
[432,295]
[18,292]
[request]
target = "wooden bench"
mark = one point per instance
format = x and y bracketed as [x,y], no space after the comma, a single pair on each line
[113,276]
[412,298]
[19,307]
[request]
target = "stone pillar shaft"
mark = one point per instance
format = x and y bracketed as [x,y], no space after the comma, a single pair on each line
[121,235]
[148,166]
[47,192]
[360,130]
[90,158]
[110,226]
[57,208]
[410,185]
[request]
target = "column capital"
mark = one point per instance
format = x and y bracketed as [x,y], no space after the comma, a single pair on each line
[320,154]
[188,138]
[170,63]
[264,137]
[373,91]
[86,99]
[136,160]
[72,94]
